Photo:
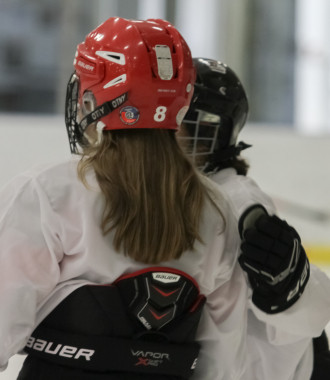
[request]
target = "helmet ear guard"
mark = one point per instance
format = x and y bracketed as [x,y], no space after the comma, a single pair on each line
[80,115]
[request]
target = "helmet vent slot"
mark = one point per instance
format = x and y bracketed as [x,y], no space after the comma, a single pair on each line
[164,62]
[111,56]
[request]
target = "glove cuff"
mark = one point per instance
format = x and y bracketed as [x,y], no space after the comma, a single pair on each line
[267,299]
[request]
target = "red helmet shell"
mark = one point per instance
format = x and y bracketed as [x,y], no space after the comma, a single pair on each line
[149,60]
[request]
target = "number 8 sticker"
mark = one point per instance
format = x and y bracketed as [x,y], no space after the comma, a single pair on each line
[160,114]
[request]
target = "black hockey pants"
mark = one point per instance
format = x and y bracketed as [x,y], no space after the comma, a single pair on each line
[142,327]
[321,369]
[37,369]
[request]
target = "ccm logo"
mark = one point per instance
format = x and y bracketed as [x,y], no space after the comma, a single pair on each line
[59,349]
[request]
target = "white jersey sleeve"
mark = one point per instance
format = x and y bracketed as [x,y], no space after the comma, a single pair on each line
[242,192]
[310,314]
[30,252]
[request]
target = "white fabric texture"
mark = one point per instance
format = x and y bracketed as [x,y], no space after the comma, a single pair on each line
[51,243]
[279,345]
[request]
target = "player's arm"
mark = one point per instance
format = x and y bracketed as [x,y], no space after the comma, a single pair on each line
[274,259]
[29,268]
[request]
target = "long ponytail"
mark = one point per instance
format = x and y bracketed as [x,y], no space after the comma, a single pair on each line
[153,196]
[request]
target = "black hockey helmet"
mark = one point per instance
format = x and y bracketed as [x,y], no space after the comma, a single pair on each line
[217,113]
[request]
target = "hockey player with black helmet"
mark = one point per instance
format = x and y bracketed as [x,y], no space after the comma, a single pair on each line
[271,252]
[217,114]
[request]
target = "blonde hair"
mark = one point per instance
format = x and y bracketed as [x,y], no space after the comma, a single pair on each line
[153,195]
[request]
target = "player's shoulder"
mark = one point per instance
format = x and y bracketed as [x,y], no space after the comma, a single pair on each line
[38,183]
[242,191]
[62,176]
[46,176]
[228,177]
[219,203]
[64,167]
[58,184]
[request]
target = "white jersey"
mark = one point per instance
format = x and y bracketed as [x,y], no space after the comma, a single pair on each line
[51,244]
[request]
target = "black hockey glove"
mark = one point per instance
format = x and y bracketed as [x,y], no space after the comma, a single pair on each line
[274,259]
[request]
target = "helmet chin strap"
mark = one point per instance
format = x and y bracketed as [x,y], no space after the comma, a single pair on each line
[101,111]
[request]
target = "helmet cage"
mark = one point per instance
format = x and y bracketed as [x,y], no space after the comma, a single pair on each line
[71,109]
[201,139]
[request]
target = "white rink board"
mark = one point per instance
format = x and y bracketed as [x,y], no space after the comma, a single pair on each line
[29,140]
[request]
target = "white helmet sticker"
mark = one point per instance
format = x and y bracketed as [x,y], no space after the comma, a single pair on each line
[113,82]
[112,56]
[164,62]
[181,114]
[165,277]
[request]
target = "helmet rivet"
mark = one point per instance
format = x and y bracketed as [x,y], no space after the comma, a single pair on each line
[188,89]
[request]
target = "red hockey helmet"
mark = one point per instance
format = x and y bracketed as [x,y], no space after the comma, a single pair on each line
[129,74]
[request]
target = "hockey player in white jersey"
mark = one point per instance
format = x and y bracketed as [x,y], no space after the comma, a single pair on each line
[108,262]
[209,134]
